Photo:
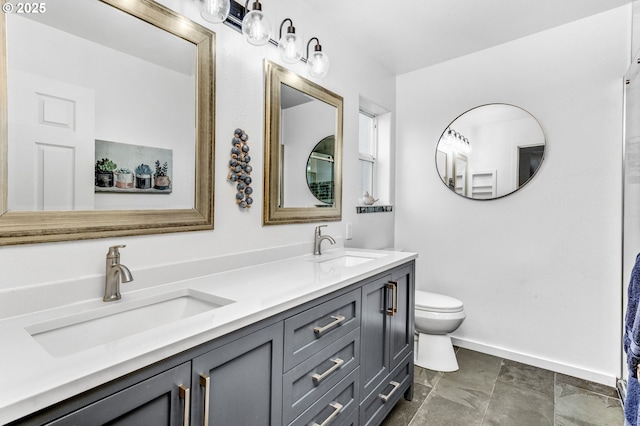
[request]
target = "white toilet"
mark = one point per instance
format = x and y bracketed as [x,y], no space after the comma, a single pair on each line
[437,316]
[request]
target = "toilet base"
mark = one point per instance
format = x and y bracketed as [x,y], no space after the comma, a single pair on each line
[435,352]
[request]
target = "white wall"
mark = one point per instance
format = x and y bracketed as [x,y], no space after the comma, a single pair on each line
[539,271]
[239,103]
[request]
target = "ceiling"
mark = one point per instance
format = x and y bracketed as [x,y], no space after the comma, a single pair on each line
[409,35]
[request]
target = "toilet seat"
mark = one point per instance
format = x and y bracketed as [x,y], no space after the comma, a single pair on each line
[434,302]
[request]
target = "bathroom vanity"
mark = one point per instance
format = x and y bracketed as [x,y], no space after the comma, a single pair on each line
[307,340]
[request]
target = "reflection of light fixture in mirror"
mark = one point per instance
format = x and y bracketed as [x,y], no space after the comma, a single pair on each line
[290,45]
[318,62]
[457,141]
[255,27]
[215,11]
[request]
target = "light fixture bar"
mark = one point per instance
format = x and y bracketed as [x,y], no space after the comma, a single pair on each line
[234,20]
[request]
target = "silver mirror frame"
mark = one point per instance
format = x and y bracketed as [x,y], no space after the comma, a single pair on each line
[22,227]
[272,212]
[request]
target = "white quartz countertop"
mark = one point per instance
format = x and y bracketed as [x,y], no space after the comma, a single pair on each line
[31,378]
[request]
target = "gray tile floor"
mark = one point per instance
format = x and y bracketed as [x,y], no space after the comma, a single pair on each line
[490,391]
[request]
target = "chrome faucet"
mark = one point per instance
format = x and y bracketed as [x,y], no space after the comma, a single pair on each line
[318,239]
[116,273]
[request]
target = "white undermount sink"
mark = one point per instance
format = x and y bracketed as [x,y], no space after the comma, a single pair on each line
[349,258]
[74,333]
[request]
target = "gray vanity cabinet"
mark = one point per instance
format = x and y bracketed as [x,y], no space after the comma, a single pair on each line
[386,343]
[343,359]
[240,383]
[159,400]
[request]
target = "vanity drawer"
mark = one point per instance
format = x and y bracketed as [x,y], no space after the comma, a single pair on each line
[309,380]
[352,420]
[336,407]
[384,397]
[308,332]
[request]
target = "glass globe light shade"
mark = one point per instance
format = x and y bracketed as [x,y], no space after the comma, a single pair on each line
[460,146]
[290,47]
[446,138]
[467,146]
[318,64]
[215,11]
[256,29]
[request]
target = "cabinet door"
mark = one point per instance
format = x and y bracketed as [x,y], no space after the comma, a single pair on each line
[379,403]
[374,340]
[402,320]
[240,383]
[155,401]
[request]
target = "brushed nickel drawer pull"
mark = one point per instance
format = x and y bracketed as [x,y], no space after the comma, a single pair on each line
[386,397]
[205,382]
[185,394]
[338,319]
[337,362]
[337,407]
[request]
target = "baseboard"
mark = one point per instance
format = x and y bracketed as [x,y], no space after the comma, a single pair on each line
[558,367]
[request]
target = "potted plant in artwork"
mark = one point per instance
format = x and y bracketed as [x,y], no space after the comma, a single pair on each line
[123,178]
[143,176]
[104,172]
[160,179]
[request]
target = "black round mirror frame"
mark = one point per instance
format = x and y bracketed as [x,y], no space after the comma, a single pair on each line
[322,153]
[461,156]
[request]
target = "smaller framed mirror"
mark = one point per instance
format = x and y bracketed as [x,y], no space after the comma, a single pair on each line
[303,150]
[490,151]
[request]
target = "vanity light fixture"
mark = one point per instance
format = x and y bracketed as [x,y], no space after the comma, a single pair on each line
[318,62]
[215,11]
[290,45]
[255,27]
[457,141]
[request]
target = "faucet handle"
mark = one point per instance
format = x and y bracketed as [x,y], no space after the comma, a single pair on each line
[113,250]
[318,230]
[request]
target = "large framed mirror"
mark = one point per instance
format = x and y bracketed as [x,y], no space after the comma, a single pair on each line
[92,91]
[303,150]
[490,151]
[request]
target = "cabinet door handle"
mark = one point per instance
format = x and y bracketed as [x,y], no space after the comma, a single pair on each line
[338,319]
[337,362]
[336,407]
[395,296]
[391,310]
[205,383]
[386,397]
[185,394]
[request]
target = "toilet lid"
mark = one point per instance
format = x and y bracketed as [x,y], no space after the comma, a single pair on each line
[434,302]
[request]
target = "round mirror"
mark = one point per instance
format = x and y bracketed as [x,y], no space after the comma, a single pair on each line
[490,151]
[320,171]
